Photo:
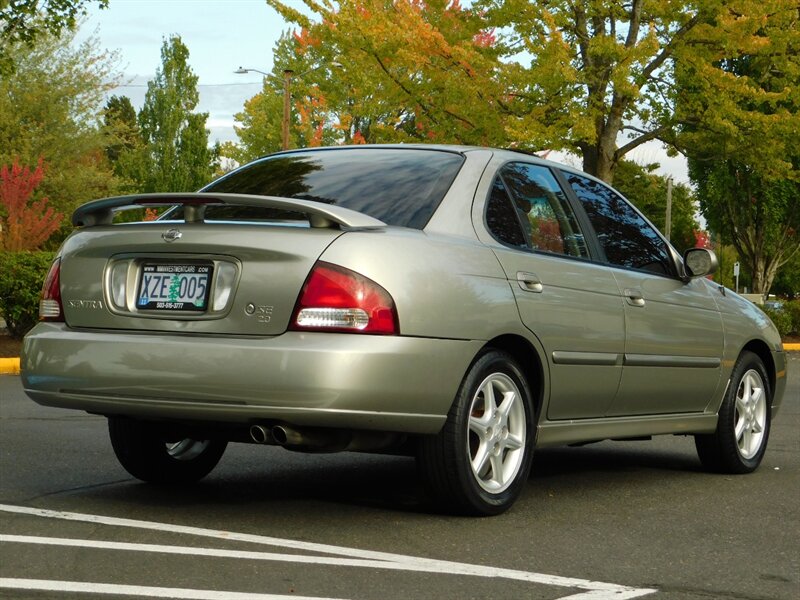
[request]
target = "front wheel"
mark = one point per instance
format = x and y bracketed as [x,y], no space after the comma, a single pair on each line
[739,443]
[149,454]
[479,463]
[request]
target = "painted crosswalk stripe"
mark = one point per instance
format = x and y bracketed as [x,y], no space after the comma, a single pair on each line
[592,590]
[84,587]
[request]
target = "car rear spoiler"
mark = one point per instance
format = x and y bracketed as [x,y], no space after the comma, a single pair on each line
[101,212]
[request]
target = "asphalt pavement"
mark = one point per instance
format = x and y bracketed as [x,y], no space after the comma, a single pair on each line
[606,521]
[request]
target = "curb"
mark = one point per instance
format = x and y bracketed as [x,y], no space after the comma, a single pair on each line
[791,347]
[9,366]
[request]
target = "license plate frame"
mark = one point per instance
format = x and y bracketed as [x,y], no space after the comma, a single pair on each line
[174,287]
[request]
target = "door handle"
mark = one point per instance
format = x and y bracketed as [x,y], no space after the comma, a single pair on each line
[634,297]
[530,282]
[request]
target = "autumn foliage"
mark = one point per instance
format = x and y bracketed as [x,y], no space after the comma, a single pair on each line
[26,224]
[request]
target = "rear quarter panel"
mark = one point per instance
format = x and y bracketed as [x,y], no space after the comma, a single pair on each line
[443,286]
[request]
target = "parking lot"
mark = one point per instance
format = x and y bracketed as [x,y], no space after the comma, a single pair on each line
[606,521]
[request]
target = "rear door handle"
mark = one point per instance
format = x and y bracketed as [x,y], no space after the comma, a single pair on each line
[634,297]
[530,282]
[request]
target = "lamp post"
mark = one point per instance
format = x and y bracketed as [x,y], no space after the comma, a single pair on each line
[287,95]
[287,107]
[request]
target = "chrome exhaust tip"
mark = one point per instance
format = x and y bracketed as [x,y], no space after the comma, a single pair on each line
[260,434]
[286,436]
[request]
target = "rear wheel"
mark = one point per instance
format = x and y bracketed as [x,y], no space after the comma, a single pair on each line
[148,453]
[479,462]
[739,443]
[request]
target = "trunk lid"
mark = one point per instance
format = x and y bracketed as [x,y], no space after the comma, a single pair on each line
[195,277]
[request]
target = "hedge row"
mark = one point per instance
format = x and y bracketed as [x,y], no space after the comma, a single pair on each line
[21,277]
[786,318]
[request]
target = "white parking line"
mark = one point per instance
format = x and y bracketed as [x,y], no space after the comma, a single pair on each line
[593,590]
[46,585]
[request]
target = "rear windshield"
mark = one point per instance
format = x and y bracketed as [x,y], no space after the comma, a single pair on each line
[398,186]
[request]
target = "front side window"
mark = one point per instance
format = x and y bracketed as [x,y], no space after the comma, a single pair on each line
[626,238]
[543,214]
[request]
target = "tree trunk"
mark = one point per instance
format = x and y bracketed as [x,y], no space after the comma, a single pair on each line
[598,159]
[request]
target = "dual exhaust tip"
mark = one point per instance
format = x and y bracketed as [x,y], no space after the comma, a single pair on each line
[278,434]
[285,435]
[318,439]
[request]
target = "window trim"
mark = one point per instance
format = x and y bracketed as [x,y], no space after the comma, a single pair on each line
[591,242]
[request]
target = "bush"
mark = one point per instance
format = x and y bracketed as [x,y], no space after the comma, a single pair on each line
[21,277]
[781,318]
[793,308]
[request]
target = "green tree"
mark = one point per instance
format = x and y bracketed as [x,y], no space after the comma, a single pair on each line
[758,215]
[50,108]
[738,99]
[120,127]
[742,135]
[22,22]
[174,156]
[787,282]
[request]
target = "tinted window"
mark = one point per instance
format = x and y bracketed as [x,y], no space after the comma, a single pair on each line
[501,218]
[543,210]
[400,187]
[626,238]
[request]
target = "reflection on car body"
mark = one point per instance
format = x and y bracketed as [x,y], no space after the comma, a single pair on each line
[467,305]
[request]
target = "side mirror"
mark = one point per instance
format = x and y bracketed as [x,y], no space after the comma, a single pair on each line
[700,262]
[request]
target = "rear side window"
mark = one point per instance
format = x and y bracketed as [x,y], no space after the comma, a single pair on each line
[627,239]
[501,217]
[544,220]
[401,187]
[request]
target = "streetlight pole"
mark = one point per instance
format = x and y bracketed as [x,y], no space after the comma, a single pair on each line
[287,107]
[668,227]
[287,95]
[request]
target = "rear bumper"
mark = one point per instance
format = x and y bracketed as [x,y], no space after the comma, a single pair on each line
[384,383]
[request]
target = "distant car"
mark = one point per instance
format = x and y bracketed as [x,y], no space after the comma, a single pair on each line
[467,305]
[773,304]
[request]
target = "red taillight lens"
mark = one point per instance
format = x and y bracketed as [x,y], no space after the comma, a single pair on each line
[50,307]
[338,299]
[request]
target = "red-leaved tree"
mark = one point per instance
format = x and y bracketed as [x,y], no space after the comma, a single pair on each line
[26,224]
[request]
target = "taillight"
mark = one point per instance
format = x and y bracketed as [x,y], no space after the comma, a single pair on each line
[50,307]
[338,299]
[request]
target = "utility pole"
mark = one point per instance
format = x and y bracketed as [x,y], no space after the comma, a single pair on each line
[668,226]
[287,107]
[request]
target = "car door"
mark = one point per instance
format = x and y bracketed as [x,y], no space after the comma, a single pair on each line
[674,336]
[569,302]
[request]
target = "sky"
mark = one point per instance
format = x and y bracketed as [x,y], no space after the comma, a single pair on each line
[223,35]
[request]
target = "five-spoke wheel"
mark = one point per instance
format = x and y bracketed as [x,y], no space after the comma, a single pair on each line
[739,443]
[750,415]
[497,433]
[479,462]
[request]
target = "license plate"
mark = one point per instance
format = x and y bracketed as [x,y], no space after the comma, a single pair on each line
[174,287]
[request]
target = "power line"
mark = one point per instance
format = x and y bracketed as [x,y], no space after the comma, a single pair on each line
[144,85]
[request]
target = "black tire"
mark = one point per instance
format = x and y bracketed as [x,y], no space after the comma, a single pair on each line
[145,452]
[746,405]
[445,461]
